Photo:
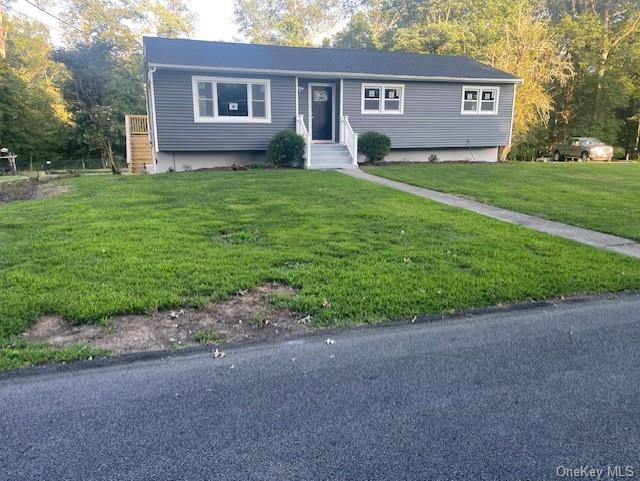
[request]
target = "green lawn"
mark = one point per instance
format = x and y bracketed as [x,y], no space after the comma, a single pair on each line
[358,252]
[604,197]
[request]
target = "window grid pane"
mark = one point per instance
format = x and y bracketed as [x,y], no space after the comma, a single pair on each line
[232,100]
[371,93]
[393,93]
[372,104]
[392,105]
[471,95]
[259,109]
[470,106]
[205,99]
[258,91]
[487,106]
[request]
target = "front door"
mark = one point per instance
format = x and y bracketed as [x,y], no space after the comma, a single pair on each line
[321,113]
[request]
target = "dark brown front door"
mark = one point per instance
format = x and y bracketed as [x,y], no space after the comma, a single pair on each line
[321,112]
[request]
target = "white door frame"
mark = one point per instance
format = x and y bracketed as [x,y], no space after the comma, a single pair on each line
[333,111]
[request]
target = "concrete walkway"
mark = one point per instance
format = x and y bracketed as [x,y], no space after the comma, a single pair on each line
[584,236]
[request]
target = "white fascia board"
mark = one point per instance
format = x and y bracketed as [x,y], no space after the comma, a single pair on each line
[314,74]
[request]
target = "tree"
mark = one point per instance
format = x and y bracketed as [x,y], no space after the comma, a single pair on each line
[286,22]
[168,18]
[3,32]
[371,25]
[33,118]
[598,36]
[527,49]
[97,94]
[104,56]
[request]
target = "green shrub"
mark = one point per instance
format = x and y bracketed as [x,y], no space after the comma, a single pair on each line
[374,145]
[619,153]
[286,149]
[523,151]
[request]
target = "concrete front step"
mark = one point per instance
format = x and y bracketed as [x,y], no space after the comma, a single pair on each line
[332,166]
[330,156]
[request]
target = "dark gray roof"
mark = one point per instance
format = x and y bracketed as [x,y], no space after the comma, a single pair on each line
[182,52]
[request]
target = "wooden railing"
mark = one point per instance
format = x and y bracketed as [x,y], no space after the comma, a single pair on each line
[350,138]
[138,124]
[138,144]
[301,129]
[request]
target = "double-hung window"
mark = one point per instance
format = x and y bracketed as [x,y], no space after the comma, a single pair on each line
[480,100]
[217,99]
[382,98]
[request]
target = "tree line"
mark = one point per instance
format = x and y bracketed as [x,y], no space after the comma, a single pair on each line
[69,102]
[579,59]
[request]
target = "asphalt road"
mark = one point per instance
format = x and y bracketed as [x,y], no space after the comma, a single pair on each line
[508,396]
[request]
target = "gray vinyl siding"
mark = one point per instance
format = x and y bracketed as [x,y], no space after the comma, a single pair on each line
[432,117]
[303,100]
[178,132]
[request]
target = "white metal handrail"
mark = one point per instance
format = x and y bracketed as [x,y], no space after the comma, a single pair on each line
[350,139]
[301,129]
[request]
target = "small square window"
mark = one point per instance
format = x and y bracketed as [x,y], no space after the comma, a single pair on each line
[382,98]
[480,100]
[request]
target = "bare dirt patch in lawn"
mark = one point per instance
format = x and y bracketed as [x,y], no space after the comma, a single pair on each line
[29,189]
[249,315]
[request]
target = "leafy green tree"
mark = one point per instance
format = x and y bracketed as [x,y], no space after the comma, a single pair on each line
[168,18]
[99,91]
[371,26]
[286,22]
[104,56]
[598,37]
[34,121]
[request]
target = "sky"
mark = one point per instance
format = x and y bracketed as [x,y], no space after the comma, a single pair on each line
[214,19]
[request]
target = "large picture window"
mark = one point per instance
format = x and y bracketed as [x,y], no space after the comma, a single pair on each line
[382,99]
[480,100]
[218,99]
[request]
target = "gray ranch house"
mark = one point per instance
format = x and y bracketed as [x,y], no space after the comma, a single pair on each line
[214,104]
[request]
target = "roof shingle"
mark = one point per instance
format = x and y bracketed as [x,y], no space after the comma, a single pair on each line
[165,51]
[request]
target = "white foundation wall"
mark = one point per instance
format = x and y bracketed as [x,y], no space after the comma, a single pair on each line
[477,154]
[181,161]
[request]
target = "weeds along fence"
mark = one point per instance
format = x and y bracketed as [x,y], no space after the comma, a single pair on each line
[67,165]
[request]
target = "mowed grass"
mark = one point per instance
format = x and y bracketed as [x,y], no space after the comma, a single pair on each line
[603,197]
[357,252]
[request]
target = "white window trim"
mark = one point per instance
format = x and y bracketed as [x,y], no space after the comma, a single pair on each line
[381,110]
[197,118]
[479,89]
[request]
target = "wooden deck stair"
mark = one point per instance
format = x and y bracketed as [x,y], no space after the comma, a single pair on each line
[138,146]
